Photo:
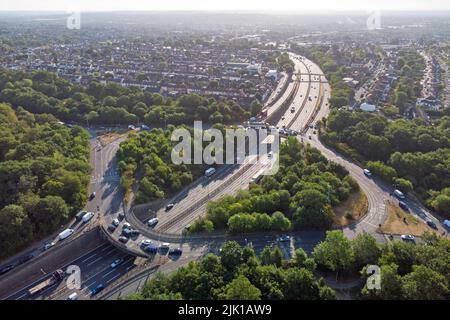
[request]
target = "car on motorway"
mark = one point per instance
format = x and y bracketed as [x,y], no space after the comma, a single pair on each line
[116,262]
[403,205]
[169,206]
[92,196]
[6,269]
[152,222]
[399,194]
[407,237]
[123,239]
[88,216]
[431,224]
[367,173]
[175,251]
[49,245]
[284,238]
[97,289]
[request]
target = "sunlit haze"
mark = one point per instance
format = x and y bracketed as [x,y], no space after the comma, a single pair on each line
[254,5]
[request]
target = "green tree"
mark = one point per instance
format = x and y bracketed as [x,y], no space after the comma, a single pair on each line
[335,253]
[241,289]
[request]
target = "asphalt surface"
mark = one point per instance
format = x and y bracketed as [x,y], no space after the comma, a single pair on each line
[95,269]
[95,265]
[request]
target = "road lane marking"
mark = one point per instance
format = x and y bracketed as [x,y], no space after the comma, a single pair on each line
[113,278]
[92,262]
[89,257]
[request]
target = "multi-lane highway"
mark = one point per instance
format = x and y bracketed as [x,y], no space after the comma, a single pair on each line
[309,104]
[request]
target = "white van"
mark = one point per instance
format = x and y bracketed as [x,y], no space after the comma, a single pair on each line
[88,216]
[65,234]
[73,296]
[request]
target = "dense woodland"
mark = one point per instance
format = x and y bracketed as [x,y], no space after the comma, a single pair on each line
[44,92]
[300,196]
[145,158]
[44,173]
[408,271]
[409,154]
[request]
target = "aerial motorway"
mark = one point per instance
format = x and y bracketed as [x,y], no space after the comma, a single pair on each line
[115,253]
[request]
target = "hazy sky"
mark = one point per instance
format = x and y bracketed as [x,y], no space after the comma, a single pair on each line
[287,5]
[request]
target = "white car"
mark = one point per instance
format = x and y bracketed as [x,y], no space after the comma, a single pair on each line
[152,222]
[146,242]
[407,237]
[116,222]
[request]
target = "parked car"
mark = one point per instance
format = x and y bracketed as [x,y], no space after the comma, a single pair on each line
[175,251]
[88,216]
[80,215]
[164,246]
[126,225]
[73,296]
[408,237]
[92,196]
[121,216]
[116,262]
[123,239]
[169,206]
[112,227]
[146,242]
[134,232]
[152,222]
[150,249]
[115,222]
[126,232]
